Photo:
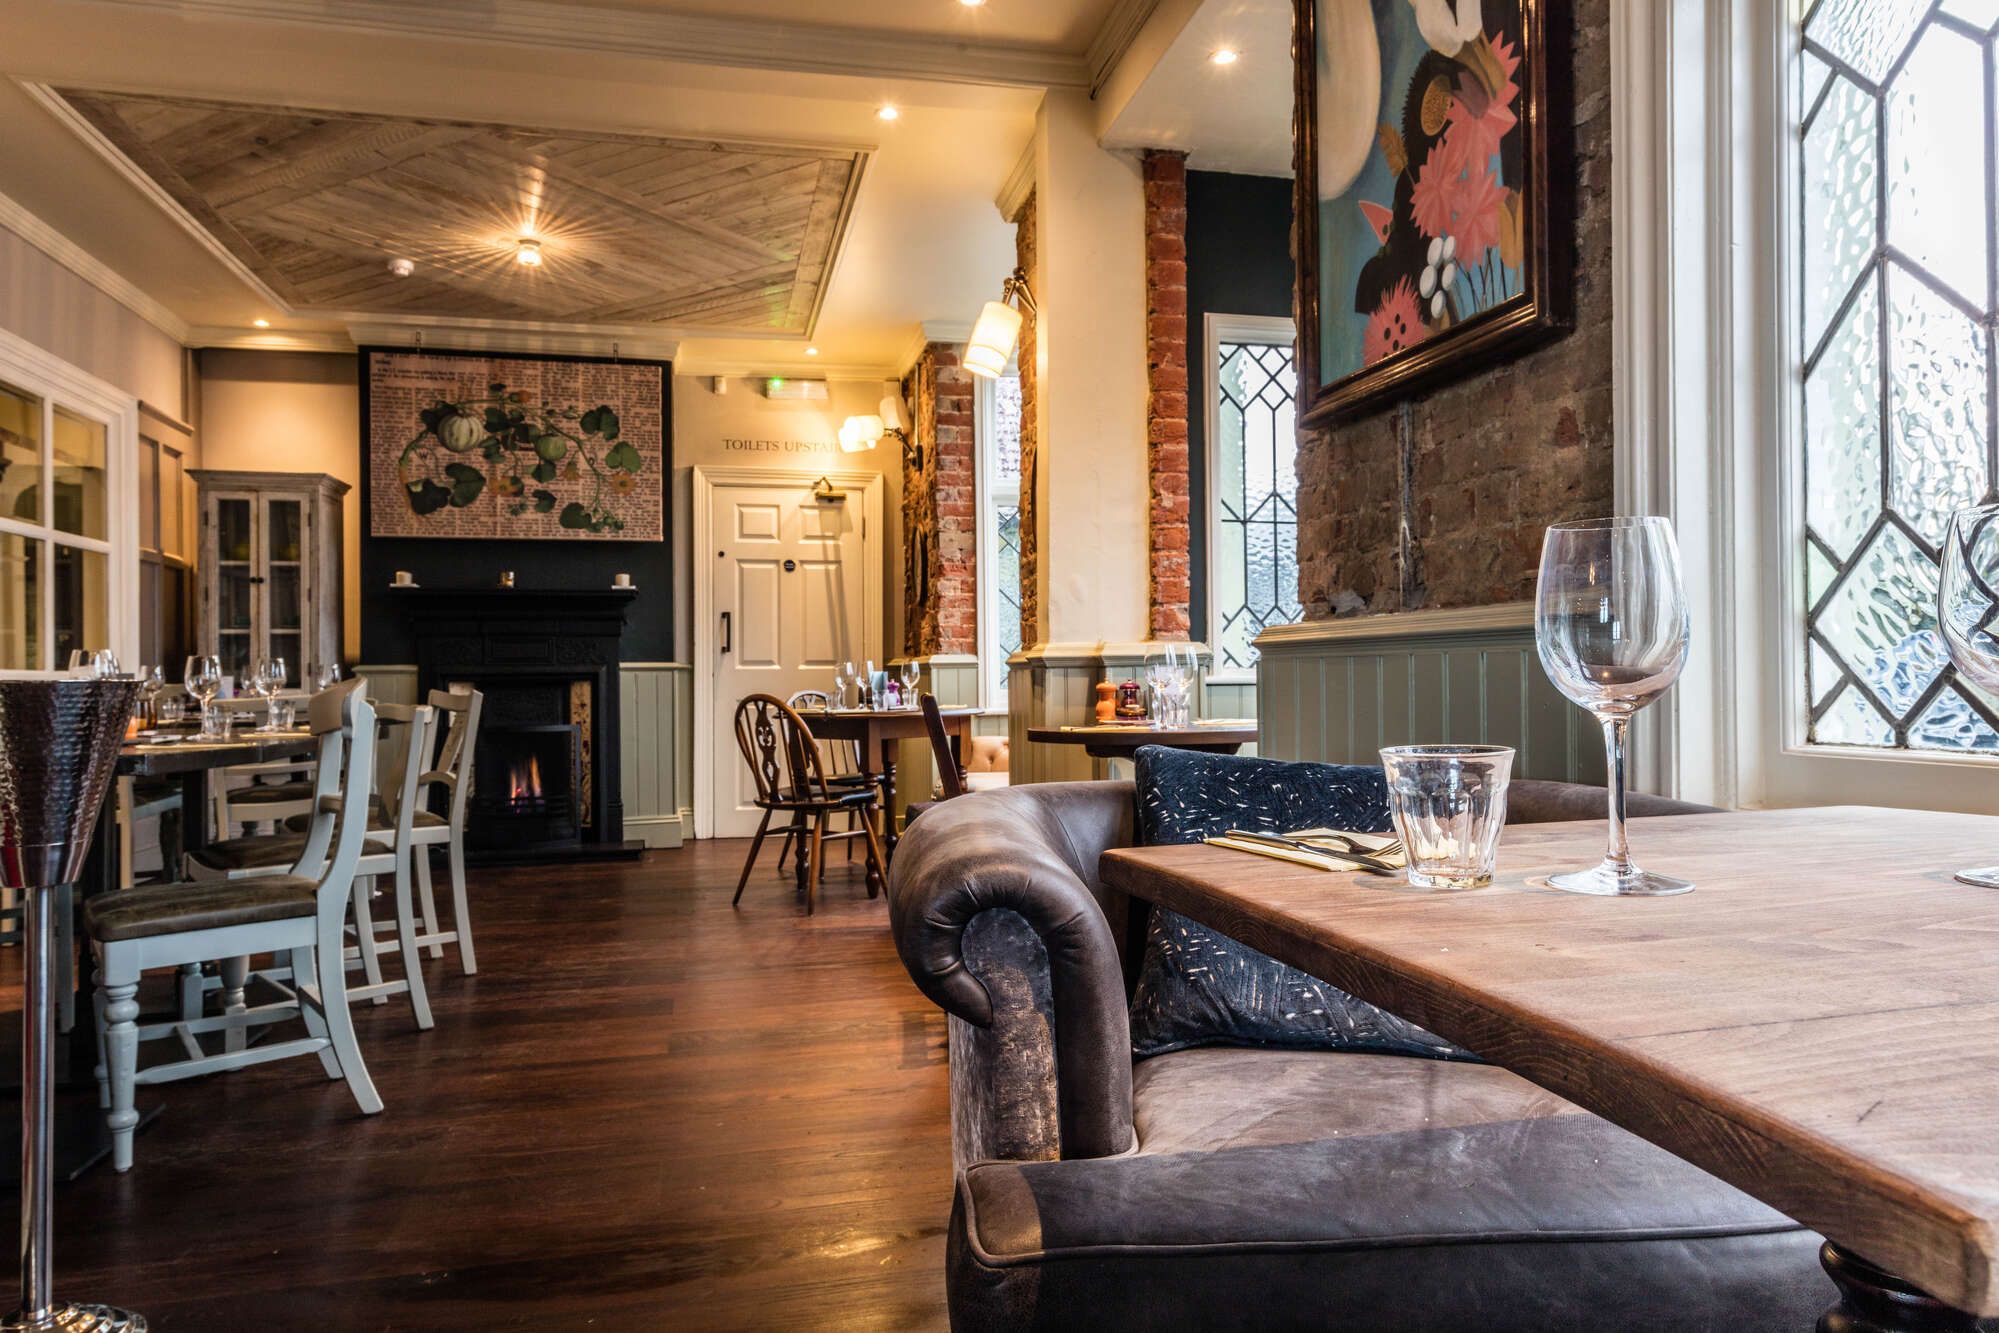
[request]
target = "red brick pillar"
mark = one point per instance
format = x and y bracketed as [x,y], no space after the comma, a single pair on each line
[1166,374]
[938,520]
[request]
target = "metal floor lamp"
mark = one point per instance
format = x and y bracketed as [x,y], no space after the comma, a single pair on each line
[58,750]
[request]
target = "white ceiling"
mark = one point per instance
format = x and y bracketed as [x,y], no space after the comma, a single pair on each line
[1227,117]
[924,243]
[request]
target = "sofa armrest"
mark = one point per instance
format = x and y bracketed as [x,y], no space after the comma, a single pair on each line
[995,925]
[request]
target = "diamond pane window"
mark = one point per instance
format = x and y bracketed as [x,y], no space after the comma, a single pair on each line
[1897,287]
[1254,505]
[998,446]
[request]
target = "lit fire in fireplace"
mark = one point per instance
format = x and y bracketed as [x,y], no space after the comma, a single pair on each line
[524,783]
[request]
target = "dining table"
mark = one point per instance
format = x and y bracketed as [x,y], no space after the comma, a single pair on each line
[1118,740]
[1817,1023]
[875,733]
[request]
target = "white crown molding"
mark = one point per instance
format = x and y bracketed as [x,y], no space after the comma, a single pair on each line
[1120,29]
[1348,631]
[756,368]
[1019,183]
[91,269]
[490,335]
[53,102]
[743,43]
[930,331]
[269,340]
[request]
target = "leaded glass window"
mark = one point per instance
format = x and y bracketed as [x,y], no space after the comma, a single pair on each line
[1253,509]
[1896,276]
[999,531]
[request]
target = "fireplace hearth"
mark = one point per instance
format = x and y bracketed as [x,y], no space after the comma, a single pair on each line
[546,773]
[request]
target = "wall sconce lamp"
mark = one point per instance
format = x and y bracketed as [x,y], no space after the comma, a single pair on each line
[998,331]
[890,418]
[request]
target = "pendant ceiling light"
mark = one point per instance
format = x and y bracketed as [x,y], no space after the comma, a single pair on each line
[997,333]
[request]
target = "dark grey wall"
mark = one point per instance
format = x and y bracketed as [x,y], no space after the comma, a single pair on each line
[1238,263]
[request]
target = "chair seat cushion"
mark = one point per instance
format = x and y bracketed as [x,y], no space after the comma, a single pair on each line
[272,793]
[170,909]
[1285,1189]
[1198,987]
[378,819]
[252,852]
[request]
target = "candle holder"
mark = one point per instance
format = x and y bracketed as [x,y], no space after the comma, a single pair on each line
[58,751]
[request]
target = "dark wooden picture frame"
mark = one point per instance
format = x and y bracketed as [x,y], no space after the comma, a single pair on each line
[1538,312]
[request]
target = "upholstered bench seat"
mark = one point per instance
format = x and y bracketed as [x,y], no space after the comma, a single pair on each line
[1359,1191]
[166,909]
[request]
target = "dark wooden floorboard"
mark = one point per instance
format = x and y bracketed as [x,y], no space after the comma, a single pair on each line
[646,1111]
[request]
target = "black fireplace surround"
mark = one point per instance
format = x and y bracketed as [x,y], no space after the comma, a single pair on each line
[525,648]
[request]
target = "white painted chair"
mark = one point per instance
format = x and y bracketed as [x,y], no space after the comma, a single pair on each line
[391,851]
[172,925]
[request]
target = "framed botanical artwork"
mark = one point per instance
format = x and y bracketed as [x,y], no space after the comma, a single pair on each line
[510,446]
[1435,209]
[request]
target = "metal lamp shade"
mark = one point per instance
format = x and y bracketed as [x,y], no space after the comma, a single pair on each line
[58,749]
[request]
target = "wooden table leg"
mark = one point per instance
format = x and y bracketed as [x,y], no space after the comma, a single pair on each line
[888,745]
[194,815]
[1872,1300]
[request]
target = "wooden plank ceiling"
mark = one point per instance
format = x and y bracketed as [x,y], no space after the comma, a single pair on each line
[701,236]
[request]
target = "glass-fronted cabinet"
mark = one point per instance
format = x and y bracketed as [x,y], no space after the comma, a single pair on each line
[270,570]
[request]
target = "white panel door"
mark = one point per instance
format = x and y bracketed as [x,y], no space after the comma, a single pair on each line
[789,582]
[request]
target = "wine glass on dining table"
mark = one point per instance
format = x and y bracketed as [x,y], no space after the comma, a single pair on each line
[1968,616]
[1610,623]
[203,677]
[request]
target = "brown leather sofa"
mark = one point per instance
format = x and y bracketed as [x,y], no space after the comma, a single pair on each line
[1227,1188]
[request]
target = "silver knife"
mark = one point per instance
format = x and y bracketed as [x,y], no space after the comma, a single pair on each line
[1360,859]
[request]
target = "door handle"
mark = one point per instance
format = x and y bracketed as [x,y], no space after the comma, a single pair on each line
[728,635]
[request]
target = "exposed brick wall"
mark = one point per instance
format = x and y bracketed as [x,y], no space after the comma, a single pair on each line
[1441,501]
[937,506]
[1166,382]
[1030,544]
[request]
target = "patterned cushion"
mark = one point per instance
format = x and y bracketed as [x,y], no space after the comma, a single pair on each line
[1198,987]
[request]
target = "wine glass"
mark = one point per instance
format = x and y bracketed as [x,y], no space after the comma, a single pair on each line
[1610,622]
[271,678]
[152,679]
[327,676]
[203,678]
[1968,616]
[912,676]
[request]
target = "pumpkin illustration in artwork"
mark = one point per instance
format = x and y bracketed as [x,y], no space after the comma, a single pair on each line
[461,432]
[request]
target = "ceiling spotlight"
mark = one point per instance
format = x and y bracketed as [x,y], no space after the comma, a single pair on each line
[1226,55]
[887,111]
[402,268]
[971,4]
[261,323]
[812,351]
[527,252]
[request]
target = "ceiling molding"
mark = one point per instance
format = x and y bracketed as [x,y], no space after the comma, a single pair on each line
[742,43]
[1019,184]
[930,331]
[489,335]
[54,103]
[91,269]
[1120,29]
[269,340]
[744,367]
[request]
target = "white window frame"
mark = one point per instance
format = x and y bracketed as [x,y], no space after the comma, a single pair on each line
[1217,329]
[1705,163]
[27,367]
[992,666]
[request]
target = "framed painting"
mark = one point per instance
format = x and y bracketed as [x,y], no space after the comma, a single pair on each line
[501,445]
[1435,209]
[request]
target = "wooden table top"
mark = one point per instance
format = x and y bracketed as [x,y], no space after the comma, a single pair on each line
[1110,733]
[1817,1023]
[138,759]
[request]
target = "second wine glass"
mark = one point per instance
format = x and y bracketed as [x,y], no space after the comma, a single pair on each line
[1610,624]
[1968,616]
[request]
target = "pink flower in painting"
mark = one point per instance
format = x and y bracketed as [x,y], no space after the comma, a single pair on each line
[1395,324]
[1458,196]
[1479,117]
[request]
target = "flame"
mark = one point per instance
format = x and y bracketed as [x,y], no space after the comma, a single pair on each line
[524,781]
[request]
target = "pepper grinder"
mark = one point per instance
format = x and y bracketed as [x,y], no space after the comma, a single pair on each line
[58,751]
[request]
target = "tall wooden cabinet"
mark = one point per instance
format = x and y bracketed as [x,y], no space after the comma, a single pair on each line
[270,569]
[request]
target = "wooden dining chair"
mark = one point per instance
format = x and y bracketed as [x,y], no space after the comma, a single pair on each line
[391,850]
[301,914]
[949,774]
[791,780]
[842,759]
